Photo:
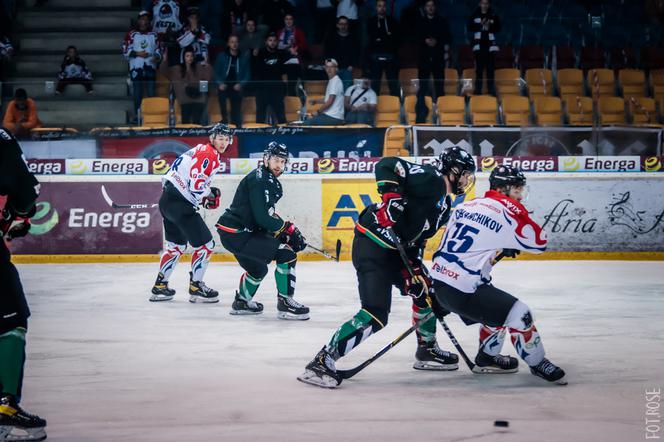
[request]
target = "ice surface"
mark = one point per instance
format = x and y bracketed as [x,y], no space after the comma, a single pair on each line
[104,364]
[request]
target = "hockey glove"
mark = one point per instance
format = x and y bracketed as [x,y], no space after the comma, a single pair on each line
[510,253]
[13,226]
[212,200]
[390,209]
[417,285]
[291,235]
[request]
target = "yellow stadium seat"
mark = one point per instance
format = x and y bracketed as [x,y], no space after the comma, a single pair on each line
[315,87]
[611,110]
[467,82]
[570,83]
[451,110]
[508,82]
[601,82]
[451,81]
[657,83]
[162,85]
[187,126]
[406,77]
[214,113]
[248,110]
[548,110]
[388,111]
[579,110]
[154,111]
[409,108]
[292,106]
[642,110]
[313,108]
[539,82]
[483,110]
[632,83]
[516,110]
[255,125]
[394,141]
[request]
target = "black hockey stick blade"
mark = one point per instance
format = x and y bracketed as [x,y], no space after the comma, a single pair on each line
[326,254]
[347,374]
[338,250]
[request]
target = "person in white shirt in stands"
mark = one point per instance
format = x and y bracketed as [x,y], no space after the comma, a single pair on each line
[332,111]
[360,103]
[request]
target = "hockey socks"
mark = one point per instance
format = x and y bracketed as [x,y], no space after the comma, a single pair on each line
[199,261]
[352,333]
[524,335]
[491,339]
[248,286]
[169,259]
[12,358]
[284,275]
[426,332]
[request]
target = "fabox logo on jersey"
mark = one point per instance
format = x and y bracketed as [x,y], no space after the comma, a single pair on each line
[126,222]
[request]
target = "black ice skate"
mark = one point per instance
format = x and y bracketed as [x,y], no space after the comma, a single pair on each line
[549,371]
[431,357]
[288,308]
[321,371]
[485,363]
[242,307]
[160,290]
[199,292]
[18,425]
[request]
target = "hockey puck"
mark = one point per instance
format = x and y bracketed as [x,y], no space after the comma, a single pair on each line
[501,424]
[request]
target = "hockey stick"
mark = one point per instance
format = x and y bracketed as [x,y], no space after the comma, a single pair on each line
[406,263]
[347,374]
[114,205]
[337,250]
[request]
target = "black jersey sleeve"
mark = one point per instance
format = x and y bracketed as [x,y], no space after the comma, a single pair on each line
[261,205]
[391,175]
[16,181]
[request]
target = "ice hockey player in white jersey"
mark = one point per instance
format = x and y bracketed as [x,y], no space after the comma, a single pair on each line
[478,232]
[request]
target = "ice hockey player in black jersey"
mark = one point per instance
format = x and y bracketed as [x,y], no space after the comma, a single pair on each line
[416,202]
[19,188]
[253,232]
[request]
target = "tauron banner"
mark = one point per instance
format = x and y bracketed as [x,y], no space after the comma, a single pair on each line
[539,141]
[76,218]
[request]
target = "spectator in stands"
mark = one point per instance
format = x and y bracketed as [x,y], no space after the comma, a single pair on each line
[195,35]
[292,40]
[235,16]
[484,24]
[73,71]
[231,74]
[6,54]
[324,16]
[383,45]
[349,9]
[167,23]
[273,13]
[269,66]
[186,79]
[360,103]
[252,39]
[141,49]
[331,113]
[21,115]
[434,38]
[344,47]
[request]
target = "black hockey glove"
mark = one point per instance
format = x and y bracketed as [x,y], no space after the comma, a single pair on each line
[291,235]
[213,199]
[510,253]
[12,226]
[418,284]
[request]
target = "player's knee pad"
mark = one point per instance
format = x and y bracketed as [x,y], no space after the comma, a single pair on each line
[285,255]
[519,317]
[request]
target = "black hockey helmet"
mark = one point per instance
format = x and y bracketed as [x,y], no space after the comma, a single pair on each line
[221,129]
[275,149]
[456,161]
[503,176]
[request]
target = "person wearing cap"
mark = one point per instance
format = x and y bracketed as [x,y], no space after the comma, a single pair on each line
[360,103]
[21,115]
[195,35]
[331,113]
[141,48]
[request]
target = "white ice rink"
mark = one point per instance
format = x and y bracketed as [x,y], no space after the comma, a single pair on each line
[104,364]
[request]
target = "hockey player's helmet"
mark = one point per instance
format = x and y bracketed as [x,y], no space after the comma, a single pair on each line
[275,149]
[503,176]
[221,129]
[457,162]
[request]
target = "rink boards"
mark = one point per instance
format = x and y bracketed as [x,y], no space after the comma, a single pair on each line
[587,215]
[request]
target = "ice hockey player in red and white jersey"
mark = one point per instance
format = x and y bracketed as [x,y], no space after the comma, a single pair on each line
[478,232]
[186,186]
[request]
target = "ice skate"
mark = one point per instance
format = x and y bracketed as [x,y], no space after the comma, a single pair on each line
[485,363]
[431,357]
[288,308]
[321,371]
[549,371]
[160,290]
[199,292]
[18,425]
[242,307]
